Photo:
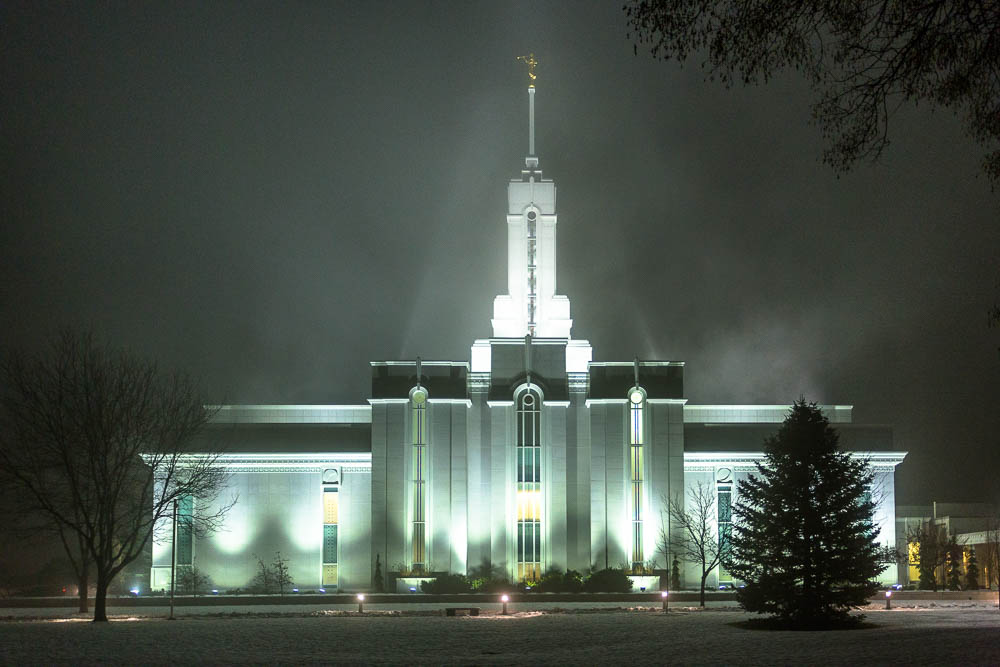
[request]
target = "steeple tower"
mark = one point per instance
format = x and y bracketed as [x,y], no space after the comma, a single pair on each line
[531,306]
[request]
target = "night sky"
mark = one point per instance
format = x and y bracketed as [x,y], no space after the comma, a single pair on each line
[270,195]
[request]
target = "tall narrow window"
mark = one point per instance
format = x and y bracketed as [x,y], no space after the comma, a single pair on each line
[529,487]
[532,287]
[418,536]
[636,401]
[725,519]
[185,530]
[331,525]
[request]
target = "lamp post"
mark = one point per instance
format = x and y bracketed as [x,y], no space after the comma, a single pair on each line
[888,599]
[664,595]
[361,603]
[173,562]
[505,599]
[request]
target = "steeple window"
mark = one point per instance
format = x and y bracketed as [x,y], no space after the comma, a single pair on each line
[529,486]
[418,513]
[637,401]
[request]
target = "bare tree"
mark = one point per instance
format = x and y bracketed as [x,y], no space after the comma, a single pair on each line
[191,579]
[97,440]
[263,579]
[694,537]
[279,569]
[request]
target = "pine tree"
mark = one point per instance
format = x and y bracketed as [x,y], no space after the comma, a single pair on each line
[972,571]
[954,574]
[927,571]
[675,575]
[804,542]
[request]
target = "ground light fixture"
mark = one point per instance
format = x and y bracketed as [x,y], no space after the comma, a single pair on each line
[505,599]
[888,599]
[361,603]
[664,595]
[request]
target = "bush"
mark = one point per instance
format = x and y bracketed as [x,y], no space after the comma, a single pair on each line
[493,585]
[610,580]
[447,583]
[485,578]
[555,581]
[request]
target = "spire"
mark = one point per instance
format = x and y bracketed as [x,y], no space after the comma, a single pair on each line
[531,161]
[527,358]
[531,121]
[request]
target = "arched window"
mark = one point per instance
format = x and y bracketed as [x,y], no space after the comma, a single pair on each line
[418,536]
[529,486]
[636,403]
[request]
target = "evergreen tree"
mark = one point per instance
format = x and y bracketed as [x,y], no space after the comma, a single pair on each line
[675,575]
[972,571]
[933,546]
[804,542]
[927,571]
[954,574]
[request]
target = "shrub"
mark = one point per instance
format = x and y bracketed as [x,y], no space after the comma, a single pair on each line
[485,578]
[610,580]
[497,585]
[555,581]
[447,583]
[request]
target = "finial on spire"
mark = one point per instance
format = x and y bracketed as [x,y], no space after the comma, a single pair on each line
[531,162]
[635,369]
[530,61]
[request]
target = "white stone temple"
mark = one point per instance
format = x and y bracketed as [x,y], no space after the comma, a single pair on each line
[529,456]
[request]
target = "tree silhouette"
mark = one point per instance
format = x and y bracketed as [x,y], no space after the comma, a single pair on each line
[972,571]
[862,59]
[694,535]
[803,540]
[95,438]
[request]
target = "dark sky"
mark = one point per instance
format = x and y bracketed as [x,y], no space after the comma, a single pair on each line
[271,195]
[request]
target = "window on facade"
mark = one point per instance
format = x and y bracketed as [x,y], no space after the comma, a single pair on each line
[529,487]
[531,287]
[725,520]
[635,449]
[185,530]
[331,526]
[418,522]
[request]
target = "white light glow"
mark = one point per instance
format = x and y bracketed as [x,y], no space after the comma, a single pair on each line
[235,534]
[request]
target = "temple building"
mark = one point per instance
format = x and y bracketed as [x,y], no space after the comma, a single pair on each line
[528,456]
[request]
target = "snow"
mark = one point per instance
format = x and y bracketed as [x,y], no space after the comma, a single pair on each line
[952,632]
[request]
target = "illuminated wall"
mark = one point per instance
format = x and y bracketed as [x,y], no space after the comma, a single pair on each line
[279,508]
[723,472]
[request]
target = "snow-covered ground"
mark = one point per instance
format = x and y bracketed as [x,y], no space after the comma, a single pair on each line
[950,633]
